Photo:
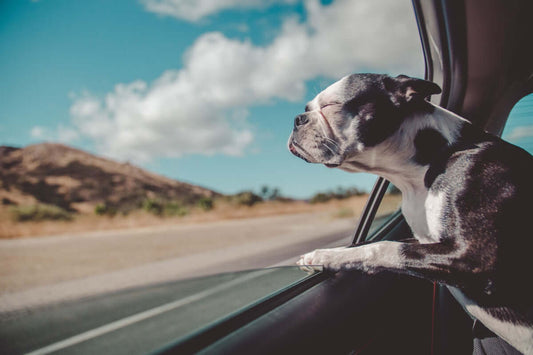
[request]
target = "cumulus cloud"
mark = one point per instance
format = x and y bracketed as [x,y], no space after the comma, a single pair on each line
[202,108]
[194,10]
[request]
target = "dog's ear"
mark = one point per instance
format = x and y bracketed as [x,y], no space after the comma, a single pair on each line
[407,89]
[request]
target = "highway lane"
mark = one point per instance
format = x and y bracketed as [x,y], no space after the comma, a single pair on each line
[137,318]
[140,320]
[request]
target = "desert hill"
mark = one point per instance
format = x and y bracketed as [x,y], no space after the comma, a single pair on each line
[78,181]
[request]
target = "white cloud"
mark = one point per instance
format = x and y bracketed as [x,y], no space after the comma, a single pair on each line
[194,10]
[520,133]
[202,108]
[61,134]
[39,132]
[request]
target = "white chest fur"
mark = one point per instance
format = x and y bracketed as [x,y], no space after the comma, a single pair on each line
[423,213]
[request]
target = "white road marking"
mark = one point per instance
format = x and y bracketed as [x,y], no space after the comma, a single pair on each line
[124,322]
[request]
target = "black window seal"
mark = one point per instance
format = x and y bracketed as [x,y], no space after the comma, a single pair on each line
[369,212]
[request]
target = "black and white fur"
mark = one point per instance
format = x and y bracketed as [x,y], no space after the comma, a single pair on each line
[467,195]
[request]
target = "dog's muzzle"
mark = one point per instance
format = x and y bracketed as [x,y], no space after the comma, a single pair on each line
[292,149]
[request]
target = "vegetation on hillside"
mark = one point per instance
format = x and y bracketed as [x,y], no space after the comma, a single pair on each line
[339,194]
[39,212]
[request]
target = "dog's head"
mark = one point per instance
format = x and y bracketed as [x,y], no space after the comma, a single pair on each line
[355,114]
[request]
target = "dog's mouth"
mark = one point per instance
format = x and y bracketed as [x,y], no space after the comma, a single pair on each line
[292,149]
[331,165]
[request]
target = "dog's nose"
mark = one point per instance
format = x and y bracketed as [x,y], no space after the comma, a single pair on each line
[300,120]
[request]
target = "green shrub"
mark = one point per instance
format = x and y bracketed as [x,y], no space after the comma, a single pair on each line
[175,209]
[246,198]
[339,194]
[268,193]
[102,209]
[320,198]
[153,206]
[206,203]
[40,212]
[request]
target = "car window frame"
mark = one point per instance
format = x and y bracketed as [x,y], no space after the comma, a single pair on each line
[369,212]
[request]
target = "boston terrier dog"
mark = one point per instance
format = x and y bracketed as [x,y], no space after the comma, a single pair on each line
[466,195]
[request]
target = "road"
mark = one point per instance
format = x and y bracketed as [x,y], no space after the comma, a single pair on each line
[88,293]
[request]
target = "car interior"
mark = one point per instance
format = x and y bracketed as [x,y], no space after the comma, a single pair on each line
[479,54]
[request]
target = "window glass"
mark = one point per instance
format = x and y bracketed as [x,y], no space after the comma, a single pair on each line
[143,320]
[148,144]
[389,205]
[519,127]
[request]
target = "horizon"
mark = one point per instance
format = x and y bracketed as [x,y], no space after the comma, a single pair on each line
[204,93]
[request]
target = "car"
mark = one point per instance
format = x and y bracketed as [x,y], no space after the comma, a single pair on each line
[478,52]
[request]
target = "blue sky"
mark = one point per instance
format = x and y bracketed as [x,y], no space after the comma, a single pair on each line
[200,91]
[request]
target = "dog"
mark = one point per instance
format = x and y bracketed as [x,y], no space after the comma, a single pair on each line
[466,195]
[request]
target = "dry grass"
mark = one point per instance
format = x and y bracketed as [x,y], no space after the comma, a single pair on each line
[88,222]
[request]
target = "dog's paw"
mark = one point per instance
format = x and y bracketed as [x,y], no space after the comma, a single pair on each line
[320,259]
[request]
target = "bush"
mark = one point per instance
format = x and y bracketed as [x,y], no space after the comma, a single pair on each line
[153,206]
[161,208]
[320,198]
[246,198]
[271,194]
[206,204]
[175,209]
[102,209]
[339,194]
[40,212]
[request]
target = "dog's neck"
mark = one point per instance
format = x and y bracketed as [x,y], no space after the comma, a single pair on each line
[395,158]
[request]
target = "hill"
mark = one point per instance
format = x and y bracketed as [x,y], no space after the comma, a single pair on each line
[78,181]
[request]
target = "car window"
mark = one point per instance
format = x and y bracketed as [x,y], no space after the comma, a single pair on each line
[157,155]
[203,302]
[519,127]
[389,206]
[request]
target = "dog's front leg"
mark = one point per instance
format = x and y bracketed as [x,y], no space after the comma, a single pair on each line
[369,258]
[435,261]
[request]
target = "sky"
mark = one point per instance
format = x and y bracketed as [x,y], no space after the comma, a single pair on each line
[201,91]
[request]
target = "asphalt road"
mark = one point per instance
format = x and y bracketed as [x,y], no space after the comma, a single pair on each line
[140,320]
[137,309]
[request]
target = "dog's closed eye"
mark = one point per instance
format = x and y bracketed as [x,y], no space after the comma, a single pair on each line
[330,105]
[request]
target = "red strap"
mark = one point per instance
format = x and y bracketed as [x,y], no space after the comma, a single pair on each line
[433,309]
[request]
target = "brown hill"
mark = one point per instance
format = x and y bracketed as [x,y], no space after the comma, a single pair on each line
[77,181]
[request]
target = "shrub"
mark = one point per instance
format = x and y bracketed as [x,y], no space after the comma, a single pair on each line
[268,193]
[175,209]
[246,198]
[320,198]
[102,209]
[339,194]
[206,203]
[40,212]
[153,206]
